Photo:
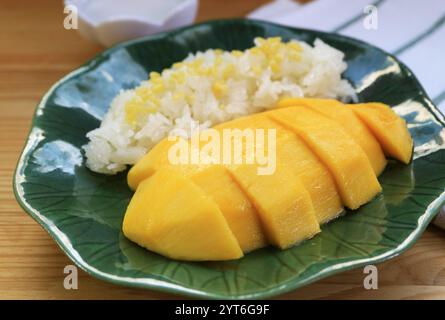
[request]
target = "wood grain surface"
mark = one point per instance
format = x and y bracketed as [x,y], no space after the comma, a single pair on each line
[35,51]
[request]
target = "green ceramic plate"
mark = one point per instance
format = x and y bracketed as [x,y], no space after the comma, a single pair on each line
[83,211]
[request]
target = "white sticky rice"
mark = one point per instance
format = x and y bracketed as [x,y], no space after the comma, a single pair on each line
[211,87]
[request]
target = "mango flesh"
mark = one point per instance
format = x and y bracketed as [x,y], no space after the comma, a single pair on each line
[148,165]
[283,203]
[287,214]
[324,159]
[218,184]
[301,163]
[239,213]
[314,176]
[345,117]
[186,226]
[352,171]
[388,128]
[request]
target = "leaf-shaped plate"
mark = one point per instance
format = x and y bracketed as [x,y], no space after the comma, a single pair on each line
[83,210]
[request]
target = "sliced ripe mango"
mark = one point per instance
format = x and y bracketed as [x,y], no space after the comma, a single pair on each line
[158,157]
[352,171]
[172,216]
[241,216]
[283,203]
[147,166]
[388,128]
[301,163]
[219,185]
[326,153]
[314,176]
[344,116]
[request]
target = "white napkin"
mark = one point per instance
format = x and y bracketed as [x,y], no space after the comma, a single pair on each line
[412,30]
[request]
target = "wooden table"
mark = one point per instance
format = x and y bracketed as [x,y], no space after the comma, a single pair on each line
[35,51]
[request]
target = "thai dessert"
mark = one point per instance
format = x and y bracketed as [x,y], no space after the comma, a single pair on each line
[328,157]
[232,151]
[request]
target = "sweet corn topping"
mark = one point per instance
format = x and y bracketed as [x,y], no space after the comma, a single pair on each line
[268,55]
[219,89]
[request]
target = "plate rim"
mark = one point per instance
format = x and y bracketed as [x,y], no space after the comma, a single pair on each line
[164,285]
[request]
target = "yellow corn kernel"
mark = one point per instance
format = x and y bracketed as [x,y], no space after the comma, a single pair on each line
[274,40]
[294,46]
[237,53]
[228,71]
[294,57]
[133,111]
[154,75]
[195,63]
[256,70]
[275,66]
[203,71]
[260,40]
[151,108]
[178,65]
[218,60]
[190,99]
[178,77]
[143,92]
[178,96]
[255,51]
[158,88]
[219,89]
[156,81]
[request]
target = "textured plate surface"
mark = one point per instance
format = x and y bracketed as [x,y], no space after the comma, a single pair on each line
[83,211]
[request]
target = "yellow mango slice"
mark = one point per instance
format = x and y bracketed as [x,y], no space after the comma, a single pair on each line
[352,171]
[147,166]
[218,184]
[241,216]
[344,116]
[388,128]
[283,203]
[314,176]
[158,156]
[172,216]
[302,163]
